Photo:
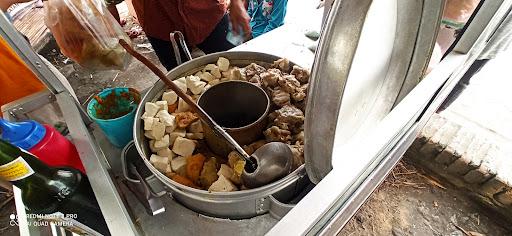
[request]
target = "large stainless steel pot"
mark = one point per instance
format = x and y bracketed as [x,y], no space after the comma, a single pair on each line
[234,205]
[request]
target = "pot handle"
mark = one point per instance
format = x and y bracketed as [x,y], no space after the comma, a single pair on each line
[278,209]
[176,48]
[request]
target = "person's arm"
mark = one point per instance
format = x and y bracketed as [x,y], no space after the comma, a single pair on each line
[277,16]
[239,17]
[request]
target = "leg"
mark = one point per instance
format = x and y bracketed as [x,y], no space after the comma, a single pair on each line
[216,41]
[163,50]
[463,83]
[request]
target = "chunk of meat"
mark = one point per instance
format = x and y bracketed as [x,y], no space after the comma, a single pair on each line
[255,80]
[289,114]
[288,83]
[275,134]
[301,74]
[283,64]
[183,180]
[253,69]
[299,138]
[270,78]
[300,93]
[298,155]
[184,119]
[280,97]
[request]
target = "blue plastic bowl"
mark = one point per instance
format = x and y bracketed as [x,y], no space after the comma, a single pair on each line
[118,130]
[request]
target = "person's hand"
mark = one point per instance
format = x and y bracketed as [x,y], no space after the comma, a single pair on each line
[239,17]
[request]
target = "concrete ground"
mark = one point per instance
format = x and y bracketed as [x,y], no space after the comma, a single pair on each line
[470,142]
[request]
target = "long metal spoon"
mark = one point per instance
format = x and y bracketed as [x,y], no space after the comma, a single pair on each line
[270,162]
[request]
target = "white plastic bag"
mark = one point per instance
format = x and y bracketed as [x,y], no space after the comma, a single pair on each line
[87,33]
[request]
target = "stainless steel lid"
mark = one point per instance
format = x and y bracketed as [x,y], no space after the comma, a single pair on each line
[371,54]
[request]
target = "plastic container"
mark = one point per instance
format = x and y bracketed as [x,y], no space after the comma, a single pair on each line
[122,101]
[43,141]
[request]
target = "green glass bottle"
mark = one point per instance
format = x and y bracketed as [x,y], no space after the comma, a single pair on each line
[47,190]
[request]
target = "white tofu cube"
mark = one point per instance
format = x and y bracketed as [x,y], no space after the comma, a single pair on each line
[223,64]
[158,130]
[149,134]
[235,74]
[148,122]
[194,136]
[210,67]
[183,146]
[178,163]
[196,127]
[162,143]
[226,171]
[150,109]
[171,97]
[170,129]
[166,152]
[162,105]
[176,133]
[216,73]
[224,79]
[168,170]
[166,118]
[222,185]
[197,87]
[152,146]
[191,79]
[214,82]
[181,83]
[206,76]
[159,162]
[182,106]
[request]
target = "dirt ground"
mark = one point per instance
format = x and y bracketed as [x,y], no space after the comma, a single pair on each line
[411,202]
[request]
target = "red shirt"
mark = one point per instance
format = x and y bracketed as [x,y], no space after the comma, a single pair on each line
[196,19]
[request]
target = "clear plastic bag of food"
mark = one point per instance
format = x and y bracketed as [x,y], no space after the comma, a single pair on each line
[87,33]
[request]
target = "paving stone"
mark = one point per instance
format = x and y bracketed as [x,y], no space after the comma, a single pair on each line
[462,166]
[456,147]
[487,169]
[439,140]
[434,123]
[504,197]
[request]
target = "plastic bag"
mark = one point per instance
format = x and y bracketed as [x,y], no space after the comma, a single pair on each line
[87,33]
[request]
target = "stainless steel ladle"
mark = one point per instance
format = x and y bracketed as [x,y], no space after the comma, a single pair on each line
[270,162]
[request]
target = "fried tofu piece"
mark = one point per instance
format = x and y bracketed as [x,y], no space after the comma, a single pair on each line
[194,166]
[208,173]
[183,180]
[206,76]
[301,74]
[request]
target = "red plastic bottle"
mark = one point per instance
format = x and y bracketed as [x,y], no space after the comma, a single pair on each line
[43,141]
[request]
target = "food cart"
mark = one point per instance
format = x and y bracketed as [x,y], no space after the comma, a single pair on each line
[368,99]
